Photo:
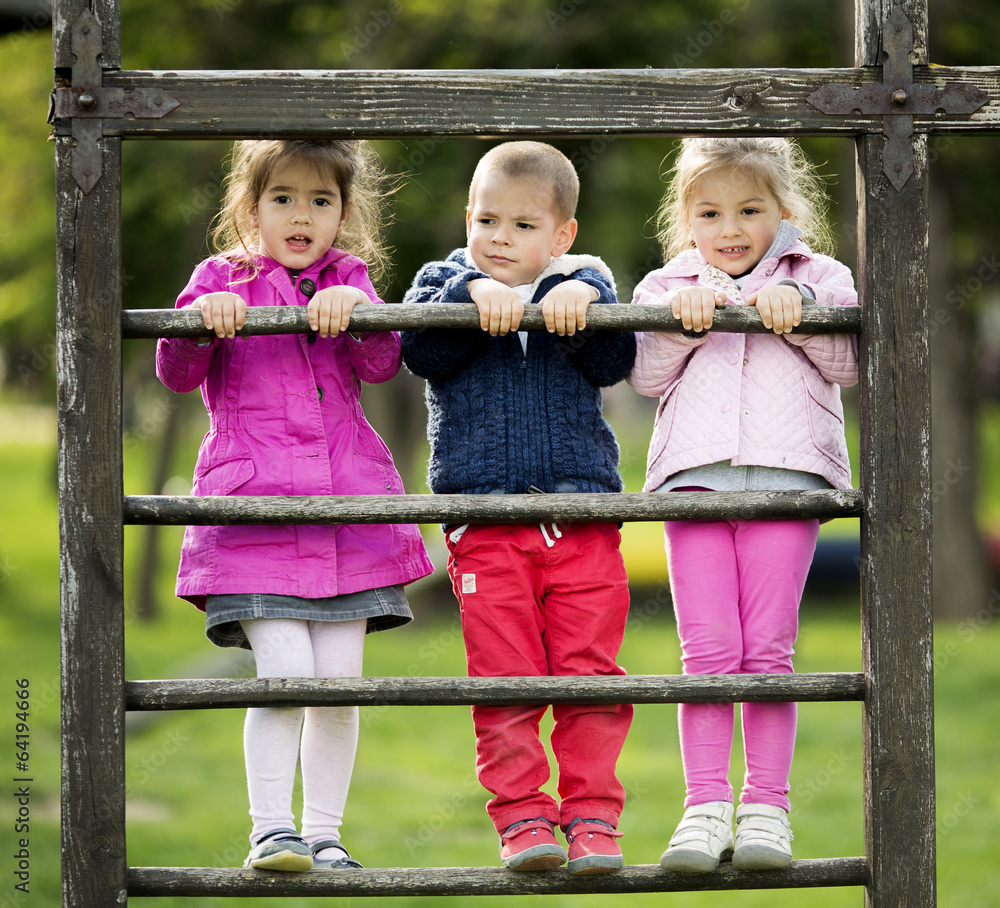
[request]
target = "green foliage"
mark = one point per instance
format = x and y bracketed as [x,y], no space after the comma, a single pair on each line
[27,230]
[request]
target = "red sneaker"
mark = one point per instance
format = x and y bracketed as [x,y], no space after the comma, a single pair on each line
[531,845]
[592,847]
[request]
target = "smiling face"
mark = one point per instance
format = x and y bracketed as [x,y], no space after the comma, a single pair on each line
[299,214]
[513,228]
[733,220]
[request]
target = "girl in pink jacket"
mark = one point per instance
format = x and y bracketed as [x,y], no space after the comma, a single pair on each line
[286,419]
[742,412]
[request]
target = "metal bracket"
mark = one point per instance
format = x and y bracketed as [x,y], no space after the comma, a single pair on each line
[897,98]
[87,102]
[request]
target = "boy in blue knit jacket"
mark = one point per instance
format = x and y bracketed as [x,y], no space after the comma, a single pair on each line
[510,412]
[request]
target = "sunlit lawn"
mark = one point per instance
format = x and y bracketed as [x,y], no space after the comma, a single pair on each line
[414,799]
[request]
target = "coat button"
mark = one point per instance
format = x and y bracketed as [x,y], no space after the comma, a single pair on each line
[319,391]
[307,286]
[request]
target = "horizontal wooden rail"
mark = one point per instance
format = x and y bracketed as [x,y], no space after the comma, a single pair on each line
[175,510]
[459,881]
[400,103]
[138,323]
[208,693]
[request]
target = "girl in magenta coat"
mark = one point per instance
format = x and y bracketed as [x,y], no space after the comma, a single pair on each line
[742,412]
[286,419]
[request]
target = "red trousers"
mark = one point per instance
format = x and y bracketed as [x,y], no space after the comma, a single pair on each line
[544,600]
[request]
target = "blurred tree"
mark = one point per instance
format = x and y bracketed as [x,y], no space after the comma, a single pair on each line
[963,289]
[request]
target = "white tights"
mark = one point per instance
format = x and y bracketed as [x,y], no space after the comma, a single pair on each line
[293,648]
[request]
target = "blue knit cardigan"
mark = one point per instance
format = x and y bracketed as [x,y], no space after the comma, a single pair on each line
[503,420]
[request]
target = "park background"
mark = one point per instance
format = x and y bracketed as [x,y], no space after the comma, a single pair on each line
[414,800]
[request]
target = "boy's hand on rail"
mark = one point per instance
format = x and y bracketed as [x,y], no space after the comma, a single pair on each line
[500,307]
[564,307]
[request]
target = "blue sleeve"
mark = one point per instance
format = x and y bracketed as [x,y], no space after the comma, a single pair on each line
[438,353]
[604,358]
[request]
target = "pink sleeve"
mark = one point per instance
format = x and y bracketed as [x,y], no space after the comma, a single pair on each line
[834,355]
[376,356]
[181,362]
[660,356]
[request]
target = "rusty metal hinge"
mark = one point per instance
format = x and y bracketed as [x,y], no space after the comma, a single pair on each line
[86,103]
[898,98]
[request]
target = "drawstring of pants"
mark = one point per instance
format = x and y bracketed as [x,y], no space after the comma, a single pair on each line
[459,532]
[555,532]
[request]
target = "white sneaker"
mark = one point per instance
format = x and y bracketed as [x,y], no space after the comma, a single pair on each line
[702,838]
[763,838]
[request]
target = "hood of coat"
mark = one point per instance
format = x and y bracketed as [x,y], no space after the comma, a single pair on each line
[563,265]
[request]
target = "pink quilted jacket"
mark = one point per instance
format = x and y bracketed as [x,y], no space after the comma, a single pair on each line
[748,398]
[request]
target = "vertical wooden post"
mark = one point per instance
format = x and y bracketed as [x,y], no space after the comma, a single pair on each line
[90,501]
[897,620]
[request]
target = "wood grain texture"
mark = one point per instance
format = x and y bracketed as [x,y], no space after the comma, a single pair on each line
[90,533]
[146,323]
[177,510]
[453,103]
[896,619]
[214,693]
[470,881]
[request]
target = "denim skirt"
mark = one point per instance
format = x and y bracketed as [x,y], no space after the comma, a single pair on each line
[385,607]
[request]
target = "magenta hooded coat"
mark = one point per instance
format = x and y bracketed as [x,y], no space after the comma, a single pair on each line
[285,418]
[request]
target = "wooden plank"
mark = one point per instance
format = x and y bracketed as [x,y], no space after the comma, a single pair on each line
[625,102]
[145,323]
[64,14]
[458,881]
[176,510]
[90,532]
[214,693]
[896,614]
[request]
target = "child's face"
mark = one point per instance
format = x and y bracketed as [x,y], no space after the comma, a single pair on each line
[513,228]
[733,220]
[298,215]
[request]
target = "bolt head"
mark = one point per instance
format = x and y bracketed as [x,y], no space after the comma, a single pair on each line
[86,101]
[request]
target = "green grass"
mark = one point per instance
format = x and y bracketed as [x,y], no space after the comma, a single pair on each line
[414,799]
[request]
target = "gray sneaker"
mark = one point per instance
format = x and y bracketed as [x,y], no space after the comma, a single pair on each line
[344,863]
[282,849]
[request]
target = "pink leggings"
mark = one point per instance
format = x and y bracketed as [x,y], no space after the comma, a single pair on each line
[736,587]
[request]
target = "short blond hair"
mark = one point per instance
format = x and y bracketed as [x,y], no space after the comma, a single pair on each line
[533,159]
[777,165]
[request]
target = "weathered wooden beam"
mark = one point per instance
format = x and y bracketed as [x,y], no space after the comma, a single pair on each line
[177,510]
[399,103]
[209,693]
[88,311]
[896,612]
[137,323]
[458,881]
